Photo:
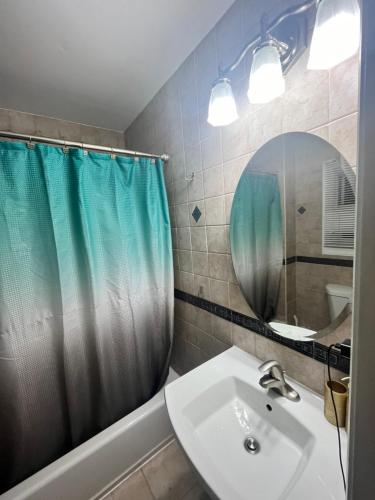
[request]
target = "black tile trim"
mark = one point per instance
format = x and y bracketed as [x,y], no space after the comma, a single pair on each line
[325,261]
[313,350]
[289,260]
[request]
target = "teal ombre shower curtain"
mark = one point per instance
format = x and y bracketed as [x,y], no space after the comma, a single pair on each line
[257,240]
[86,297]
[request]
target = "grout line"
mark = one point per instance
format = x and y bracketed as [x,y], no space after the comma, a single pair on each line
[147,483]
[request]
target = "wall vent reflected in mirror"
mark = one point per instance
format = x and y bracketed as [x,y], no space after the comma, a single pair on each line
[297,277]
[339,184]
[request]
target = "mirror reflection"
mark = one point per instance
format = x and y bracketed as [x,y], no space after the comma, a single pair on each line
[292,237]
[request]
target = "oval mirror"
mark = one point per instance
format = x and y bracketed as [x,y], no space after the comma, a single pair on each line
[292,237]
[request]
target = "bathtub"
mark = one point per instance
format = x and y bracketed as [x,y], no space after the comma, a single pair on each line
[91,469]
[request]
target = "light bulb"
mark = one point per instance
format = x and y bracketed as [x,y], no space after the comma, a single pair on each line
[337,33]
[222,109]
[266,76]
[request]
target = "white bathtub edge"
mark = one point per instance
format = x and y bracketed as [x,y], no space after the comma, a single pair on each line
[41,483]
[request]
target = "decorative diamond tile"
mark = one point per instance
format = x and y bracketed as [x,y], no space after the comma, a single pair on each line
[196,214]
[301,210]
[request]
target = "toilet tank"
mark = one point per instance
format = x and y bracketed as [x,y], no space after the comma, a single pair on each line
[338,297]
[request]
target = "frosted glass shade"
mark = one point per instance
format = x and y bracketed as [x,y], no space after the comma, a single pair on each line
[222,109]
[266,76]
[337,33]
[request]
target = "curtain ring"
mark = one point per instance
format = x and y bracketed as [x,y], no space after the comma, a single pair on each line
[30,145]
[113,156]
[65,147]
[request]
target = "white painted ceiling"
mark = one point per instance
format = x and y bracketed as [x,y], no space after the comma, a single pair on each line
[96,61]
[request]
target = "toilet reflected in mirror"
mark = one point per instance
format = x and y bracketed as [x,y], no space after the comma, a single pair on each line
[292,237]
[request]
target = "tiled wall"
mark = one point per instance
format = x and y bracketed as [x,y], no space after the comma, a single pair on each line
[26,123]
[320,102]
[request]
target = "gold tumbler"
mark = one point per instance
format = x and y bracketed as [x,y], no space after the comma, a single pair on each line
[340,396]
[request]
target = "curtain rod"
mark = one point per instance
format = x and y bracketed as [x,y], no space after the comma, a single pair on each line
[93,147]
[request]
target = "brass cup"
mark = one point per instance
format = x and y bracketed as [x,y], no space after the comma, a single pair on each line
[340,396]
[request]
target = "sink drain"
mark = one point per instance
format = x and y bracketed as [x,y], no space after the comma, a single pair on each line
[251,445]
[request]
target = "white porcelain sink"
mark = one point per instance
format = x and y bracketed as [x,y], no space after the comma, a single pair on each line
[215,407]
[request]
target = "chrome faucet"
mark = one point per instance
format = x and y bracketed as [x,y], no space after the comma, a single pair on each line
[274,379]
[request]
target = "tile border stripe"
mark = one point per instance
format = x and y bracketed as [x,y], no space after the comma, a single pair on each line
[313,350]
[325,261]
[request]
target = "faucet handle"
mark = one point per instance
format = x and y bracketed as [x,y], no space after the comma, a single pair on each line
[267,366]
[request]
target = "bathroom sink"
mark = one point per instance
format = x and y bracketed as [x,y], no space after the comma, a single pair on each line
[248,443]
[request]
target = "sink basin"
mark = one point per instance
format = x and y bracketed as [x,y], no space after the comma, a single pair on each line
[292,452]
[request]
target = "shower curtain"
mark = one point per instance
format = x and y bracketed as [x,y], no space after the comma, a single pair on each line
[257,241]
[86,297]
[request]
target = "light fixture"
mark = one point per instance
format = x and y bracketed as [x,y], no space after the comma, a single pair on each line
[266,76]
[336,35]
[280,44]
[222,109]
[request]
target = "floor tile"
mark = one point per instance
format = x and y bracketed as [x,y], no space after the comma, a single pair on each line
[135,487]
[197,493]
[169,474]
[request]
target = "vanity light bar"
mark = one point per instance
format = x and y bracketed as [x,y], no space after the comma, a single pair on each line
[336,37]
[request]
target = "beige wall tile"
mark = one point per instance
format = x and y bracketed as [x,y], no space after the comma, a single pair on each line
[232,172]
[306,107]
[182,215]
[199,239]
[215,211]
[343,96]
[177,165]
[186,356]
[211,150]
[180,193]
[343,135]
[221,329]
[5,120]
[202,319]
[243,338]
[322,132]
[190,130]
[193,160]
[219,292]
[187,282]
[236,139]
[174,238]
[217,239]
[202,287]
[200,263]
[265,123]
[228,207]
[185,261]
[218,266]
[184,238]
[213,181]
[195,187]
[211,345]
[26,123]
[237,301]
